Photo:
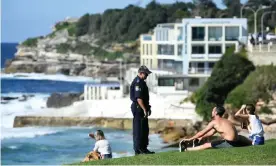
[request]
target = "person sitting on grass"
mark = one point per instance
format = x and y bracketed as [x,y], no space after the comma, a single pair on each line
[255,127]
[224,127]
[102,146]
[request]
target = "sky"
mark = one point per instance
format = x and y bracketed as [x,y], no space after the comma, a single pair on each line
[21,19]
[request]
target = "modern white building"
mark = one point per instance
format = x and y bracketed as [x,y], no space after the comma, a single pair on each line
[188,51]
[193,46]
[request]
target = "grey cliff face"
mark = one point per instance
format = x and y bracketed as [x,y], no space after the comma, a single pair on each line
[44,58]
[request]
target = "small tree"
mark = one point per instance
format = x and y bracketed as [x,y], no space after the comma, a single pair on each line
[82,25]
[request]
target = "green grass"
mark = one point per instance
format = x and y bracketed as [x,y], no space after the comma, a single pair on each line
[264,154]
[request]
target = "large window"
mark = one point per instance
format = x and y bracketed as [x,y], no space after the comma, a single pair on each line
[194,82]
[165,82]
[215,49]
[211,65]
[198,33]
[165,49]
[180,30]
[198,49]
[215,33]
[179,49]
[232,33]
[200,67]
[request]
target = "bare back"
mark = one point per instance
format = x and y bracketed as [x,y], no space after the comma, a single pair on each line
[226,129]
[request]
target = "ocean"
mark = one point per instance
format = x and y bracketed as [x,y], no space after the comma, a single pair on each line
[7,52]
[50,145]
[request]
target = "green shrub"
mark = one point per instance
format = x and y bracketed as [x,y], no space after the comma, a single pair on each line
[260,84]
[228,72]
[82,25]
[72,30]
[30,42]
[62,25]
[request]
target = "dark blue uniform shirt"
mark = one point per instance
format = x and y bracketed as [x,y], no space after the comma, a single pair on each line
[139,89]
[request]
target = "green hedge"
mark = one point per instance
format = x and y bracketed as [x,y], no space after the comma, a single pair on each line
[260,84]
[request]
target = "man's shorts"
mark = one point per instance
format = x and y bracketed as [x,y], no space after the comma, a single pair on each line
[257,140]
[224,144]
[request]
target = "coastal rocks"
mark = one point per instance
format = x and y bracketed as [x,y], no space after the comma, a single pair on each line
[57,100]
[172,134]
[174,130]
[77,69]
[7,99]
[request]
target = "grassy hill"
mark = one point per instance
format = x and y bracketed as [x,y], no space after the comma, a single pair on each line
[245,155]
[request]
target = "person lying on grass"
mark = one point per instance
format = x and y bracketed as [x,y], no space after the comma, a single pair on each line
[255,127]
[224,127]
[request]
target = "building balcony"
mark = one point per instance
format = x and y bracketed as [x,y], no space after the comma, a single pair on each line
[172,70]
[215,56]
[200,71]
[198,56]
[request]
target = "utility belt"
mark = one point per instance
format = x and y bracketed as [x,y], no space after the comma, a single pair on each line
[136,104]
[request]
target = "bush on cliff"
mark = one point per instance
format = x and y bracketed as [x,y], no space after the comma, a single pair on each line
[62,25]
[82,25]
[260,84]
[229,71]
[30,42]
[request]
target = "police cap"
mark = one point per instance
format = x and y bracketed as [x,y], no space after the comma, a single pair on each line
[144,69]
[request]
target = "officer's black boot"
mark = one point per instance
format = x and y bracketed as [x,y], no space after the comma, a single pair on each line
[146,151]
[138,152]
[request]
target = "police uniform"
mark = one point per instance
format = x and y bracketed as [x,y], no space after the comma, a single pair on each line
[139,89]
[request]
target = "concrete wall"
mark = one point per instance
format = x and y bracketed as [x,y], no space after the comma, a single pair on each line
[117,123]
[262,58]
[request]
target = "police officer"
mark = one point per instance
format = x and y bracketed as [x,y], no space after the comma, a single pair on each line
[139,94]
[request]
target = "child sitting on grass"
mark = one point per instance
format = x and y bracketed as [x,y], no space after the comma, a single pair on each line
[102,146]
[255,127]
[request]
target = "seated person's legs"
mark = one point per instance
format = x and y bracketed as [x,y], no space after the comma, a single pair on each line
[257,140]
[221,144]
[243,141]
[200,147]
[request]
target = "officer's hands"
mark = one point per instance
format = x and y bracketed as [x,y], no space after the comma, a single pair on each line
[145,114]
[149,110]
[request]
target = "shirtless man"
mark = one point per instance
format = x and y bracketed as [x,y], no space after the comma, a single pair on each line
[225,128]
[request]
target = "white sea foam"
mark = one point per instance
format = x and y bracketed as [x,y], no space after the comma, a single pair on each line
[27,132]
[14,108]
[57,77]
[13,147]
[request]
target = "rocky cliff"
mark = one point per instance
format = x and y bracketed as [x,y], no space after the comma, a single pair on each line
[59,52]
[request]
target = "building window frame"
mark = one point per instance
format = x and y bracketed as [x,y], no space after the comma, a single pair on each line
[198,49]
